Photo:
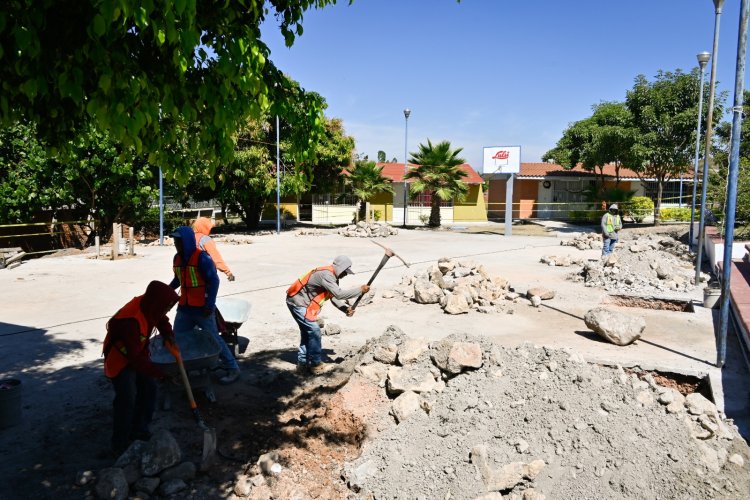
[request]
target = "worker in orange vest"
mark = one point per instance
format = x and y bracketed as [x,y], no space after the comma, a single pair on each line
[195,274]
[305,298]
[202,227]
[127,361]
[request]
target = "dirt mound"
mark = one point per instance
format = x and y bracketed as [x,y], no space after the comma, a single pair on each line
[536,421]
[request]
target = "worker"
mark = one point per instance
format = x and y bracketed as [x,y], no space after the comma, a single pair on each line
[611,225]
[195,274]
[202,227]
[305,298]
[128,365]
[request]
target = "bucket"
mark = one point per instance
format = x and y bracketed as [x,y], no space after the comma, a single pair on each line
[10,402]
[711,295]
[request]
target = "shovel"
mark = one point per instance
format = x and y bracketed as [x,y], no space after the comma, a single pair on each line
[388,254]
[209,434]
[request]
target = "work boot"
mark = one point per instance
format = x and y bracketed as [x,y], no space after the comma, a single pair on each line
[321,368]
[232,376]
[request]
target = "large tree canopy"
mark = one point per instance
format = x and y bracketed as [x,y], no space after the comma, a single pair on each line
[142,69]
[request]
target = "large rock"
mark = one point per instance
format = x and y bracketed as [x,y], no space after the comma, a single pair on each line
[112,484]
[456,303]
[405,406]
[618,328]
[374,372]
[161,452]
[446,265]
[147,485]
[541,292]
[455,357]
[410,350]
[386,353]
[184,471]
[426,292]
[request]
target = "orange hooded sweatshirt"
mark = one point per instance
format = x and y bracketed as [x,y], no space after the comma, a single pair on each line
[202,228]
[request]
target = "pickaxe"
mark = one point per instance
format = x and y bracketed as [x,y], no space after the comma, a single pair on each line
[388,254]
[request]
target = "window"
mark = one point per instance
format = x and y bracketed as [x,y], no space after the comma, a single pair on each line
[424,199]
[670,194]
[569,190]
[334,199]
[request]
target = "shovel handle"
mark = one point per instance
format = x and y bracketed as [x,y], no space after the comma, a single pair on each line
[172,348]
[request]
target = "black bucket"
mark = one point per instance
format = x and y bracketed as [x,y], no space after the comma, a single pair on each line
[10,402]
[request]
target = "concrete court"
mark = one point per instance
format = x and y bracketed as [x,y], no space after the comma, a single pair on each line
[70,298]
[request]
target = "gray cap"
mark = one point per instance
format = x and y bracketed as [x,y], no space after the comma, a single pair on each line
[613,206]
[343,266]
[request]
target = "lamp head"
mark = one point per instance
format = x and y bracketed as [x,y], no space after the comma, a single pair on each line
[718,4]
[703,58]
[407,112]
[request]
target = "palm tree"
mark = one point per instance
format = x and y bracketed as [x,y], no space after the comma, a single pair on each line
[437,173]
[366,180]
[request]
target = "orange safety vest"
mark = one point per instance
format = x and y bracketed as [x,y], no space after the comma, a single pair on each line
[116,359]
[316,304]
[192,285]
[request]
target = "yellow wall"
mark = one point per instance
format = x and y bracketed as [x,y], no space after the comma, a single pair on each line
[472,209]
[289,208]
[384,203]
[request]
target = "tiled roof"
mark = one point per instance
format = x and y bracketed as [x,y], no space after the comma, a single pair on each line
[555,170]
[395,172]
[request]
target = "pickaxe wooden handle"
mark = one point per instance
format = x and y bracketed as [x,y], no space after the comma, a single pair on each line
[388,254]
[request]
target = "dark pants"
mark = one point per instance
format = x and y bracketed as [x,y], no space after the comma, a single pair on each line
[133,407]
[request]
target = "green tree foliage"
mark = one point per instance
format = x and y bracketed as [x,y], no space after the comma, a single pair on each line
[381,156]
[366,180]
[97,181]
[247,183]
[606,137]
[664,111]
[143,70]
[437,173]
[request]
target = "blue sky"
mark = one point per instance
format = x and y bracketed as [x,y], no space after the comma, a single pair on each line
[491,72]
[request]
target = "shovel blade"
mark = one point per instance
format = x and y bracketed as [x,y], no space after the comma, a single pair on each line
[209,449]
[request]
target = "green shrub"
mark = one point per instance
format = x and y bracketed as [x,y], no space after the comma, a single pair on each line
[638,208]
[585,215]
[377,215]
[675,214]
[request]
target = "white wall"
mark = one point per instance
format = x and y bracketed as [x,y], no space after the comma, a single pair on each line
[333,214]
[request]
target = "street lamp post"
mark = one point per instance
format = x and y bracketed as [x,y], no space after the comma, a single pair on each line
[718,4]
[407,112]
[703,59]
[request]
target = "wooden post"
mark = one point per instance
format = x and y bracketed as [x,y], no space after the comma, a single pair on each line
[131,241]
[367,212]
[96,243]
[115,240]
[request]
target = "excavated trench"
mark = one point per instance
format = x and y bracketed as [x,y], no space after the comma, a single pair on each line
[661,304]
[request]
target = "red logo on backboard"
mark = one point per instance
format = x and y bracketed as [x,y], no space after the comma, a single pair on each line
[501,155]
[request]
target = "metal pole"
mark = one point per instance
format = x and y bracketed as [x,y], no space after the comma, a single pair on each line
[702,64]
[680,198]
[509,205]
[709,129]
[734,170]
[278,181]
[161,208]
[407,112]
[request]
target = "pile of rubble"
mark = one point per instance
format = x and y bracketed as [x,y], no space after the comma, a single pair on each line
[237,239]
[363,229]
[145,469]
[561,261]
[475,420]
[584,241]
[646,265]
[460,286]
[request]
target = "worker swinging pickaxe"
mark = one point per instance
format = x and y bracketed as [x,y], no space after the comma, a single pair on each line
[388,254]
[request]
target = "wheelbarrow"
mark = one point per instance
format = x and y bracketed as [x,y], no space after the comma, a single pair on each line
[200,355]
[230,315]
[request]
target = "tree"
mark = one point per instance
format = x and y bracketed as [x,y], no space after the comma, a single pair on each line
[608,136]
[381,156]
[664,112]
[437,173]
[366,180]
[98,180]
[143,70]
